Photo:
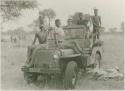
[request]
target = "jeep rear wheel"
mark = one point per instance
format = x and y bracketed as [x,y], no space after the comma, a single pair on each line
[70,78]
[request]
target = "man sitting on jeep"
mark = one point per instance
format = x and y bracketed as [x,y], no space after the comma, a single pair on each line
[42,39]
[60,41]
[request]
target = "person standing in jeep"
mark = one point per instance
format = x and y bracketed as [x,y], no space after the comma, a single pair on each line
[96,20]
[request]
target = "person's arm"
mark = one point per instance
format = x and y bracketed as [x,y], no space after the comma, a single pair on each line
[55,37]
[56,42]
[34,41]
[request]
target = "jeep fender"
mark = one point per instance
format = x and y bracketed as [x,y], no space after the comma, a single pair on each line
[94,51]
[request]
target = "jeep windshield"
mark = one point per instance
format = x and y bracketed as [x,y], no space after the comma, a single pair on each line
[75,32]
[72,32]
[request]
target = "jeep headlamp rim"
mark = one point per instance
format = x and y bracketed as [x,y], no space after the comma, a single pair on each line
[55,56]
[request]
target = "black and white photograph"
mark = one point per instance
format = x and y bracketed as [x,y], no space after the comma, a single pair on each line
[62,45]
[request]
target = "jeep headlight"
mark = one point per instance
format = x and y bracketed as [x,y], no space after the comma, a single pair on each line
[56,57]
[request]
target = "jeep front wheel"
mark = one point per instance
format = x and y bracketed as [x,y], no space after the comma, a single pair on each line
[70,78]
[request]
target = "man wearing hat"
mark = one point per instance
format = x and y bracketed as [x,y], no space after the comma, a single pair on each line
[96,20]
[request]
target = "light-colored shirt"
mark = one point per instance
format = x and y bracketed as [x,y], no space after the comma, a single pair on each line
[60,34]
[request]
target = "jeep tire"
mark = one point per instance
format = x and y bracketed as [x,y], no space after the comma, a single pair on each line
[70,77]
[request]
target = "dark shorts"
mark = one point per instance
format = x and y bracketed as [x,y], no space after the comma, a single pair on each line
[96,29]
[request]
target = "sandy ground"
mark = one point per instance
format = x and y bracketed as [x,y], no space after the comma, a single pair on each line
[13,57]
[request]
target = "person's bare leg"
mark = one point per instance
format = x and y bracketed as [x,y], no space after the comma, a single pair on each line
[32,57]
[29,54]
[77,48]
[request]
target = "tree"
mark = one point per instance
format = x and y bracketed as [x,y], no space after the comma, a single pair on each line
[34,25]
[11,9]
[76,18]
[50,13]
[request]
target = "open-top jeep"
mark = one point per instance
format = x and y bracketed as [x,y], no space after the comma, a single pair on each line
[54,64]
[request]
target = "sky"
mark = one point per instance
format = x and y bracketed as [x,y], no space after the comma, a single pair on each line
[111,11]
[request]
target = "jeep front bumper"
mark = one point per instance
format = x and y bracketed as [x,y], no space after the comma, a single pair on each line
[42,70]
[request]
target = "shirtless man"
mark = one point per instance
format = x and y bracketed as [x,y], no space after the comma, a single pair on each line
[42,39]
[41,36]
[96,20]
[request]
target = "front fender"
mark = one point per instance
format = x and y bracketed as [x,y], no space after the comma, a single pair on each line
[94,51]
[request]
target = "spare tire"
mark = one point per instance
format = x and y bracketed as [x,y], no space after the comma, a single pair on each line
[70,77]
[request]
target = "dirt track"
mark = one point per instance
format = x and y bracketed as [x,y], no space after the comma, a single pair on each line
[14,57]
